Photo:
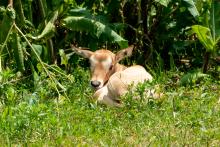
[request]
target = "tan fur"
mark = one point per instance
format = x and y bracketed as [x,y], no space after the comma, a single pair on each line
[114,78]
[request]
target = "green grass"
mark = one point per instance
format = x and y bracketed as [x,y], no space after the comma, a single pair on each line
[186,116]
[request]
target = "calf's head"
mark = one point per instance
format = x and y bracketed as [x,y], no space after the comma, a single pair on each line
[102,63]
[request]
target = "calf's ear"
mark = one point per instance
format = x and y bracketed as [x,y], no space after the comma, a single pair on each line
[84,52]
[124,53]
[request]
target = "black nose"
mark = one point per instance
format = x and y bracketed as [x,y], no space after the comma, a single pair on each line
[95,83]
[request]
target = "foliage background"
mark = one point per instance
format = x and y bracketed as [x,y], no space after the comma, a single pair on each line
[40,78]
[160,29]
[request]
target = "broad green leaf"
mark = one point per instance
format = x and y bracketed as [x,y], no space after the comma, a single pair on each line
[18,51]
[191,7]
[6,23]
[64,58]
[204,36]
[80,12]
[215,19]
[38,49]
[10,93]
[40,67]
[35,75]
[192,78]
[48,32]
[49,29]
[20,19]
[163,2]
[71,2]
[94,27]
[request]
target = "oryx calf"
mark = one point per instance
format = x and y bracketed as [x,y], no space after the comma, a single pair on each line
[109,78]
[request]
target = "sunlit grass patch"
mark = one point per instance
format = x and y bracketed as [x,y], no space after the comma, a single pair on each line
[184,116]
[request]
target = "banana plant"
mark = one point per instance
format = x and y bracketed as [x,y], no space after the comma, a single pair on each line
[7,24]
[209,34]
[96,28]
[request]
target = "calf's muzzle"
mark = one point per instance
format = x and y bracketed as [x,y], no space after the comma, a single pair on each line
[95,83]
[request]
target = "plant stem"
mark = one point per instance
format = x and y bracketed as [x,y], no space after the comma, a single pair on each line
[147,44]
[19,9]
[56,70]
[144,15]
[29,14]
[6,40]
[43,7]
[213,21]
[206,62]
[38,57]
[10,3]
[0,67]
[3,46]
